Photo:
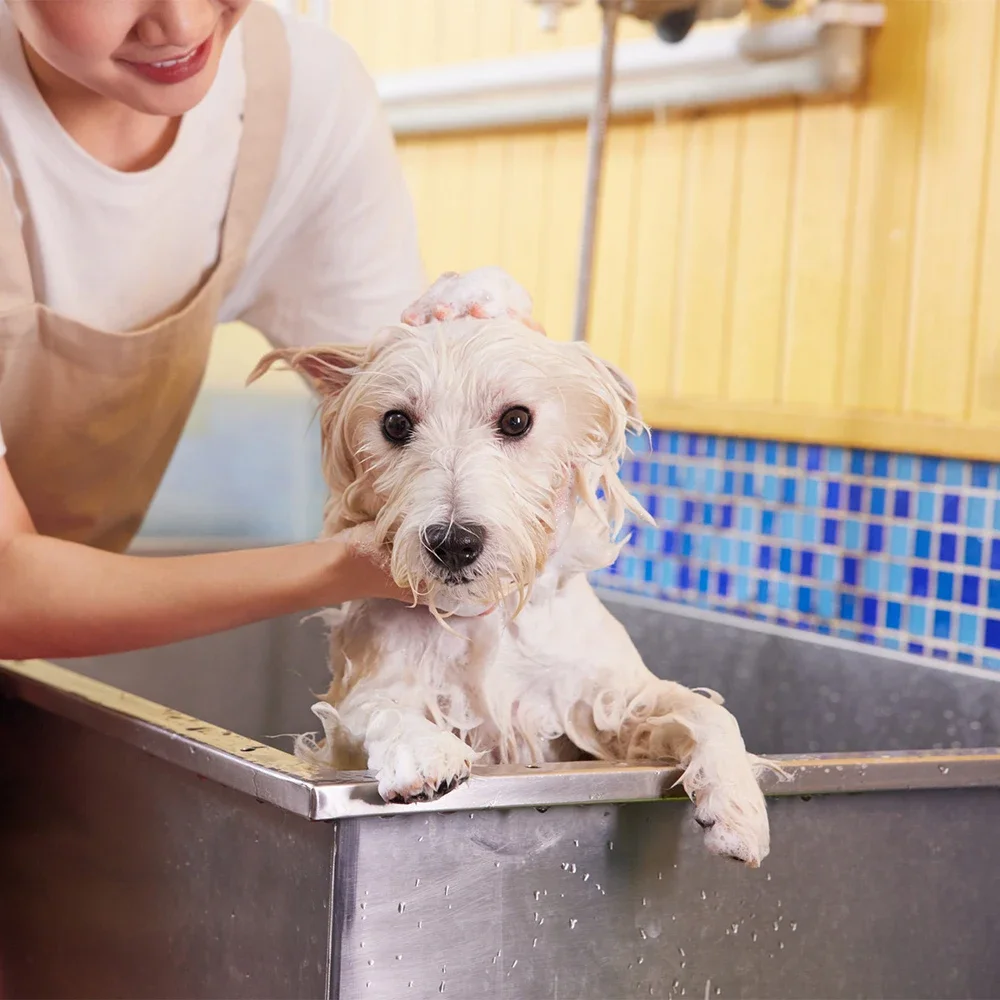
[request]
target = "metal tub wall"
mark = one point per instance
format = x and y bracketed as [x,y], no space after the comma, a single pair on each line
[144,855]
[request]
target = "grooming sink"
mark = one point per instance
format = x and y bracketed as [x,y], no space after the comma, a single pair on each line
[158,839]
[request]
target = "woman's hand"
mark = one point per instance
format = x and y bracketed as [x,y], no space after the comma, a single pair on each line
[484,293]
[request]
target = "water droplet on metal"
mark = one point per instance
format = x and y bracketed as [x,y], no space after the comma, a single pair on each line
[573,922]
[402,907]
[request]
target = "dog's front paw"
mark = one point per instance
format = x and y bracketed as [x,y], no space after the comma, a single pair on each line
[730,807]
[421,769]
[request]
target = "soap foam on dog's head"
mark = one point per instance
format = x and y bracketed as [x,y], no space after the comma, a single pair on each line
[466,443]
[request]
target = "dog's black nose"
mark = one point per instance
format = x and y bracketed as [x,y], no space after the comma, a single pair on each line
[455,546]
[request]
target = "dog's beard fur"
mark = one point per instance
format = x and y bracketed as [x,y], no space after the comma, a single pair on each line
[455,380]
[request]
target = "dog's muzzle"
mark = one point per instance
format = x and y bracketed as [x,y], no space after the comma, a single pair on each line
[455,546]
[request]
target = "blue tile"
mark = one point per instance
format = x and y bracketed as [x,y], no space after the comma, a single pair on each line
[770,453]
[711,445]
[833,495]
[947,548]
[929,470]
[767,522]
[748,487]
[966,659]
[949,509]
[804,600]
[785,560]
[942,624]
[688,511]
[788,491]
[728,482]
[730,449]
[722,584]
[893,614]
[830,531]
[970,590]
[764,557]
[874,543]
[869,610]
[703,581]
[945,586]
[706,514]
[687,545]
[692,445]
[922,544]
[847,607]
[649,571]
[684,578]
[980,475]
[857,462]
[993,594]
[915,647]
[850,572]
[749,451]
[806,561]
[791,455]
[901,503]
[991,637]
[813,457]
[762,591]
[650,505]
[973,551]
[669,543]
[877,501]
[854,499]
[726,515]
[919,581]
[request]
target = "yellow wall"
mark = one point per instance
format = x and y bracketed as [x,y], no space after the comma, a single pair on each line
[822,272]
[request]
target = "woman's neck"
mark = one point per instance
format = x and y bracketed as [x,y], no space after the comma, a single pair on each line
[113,133]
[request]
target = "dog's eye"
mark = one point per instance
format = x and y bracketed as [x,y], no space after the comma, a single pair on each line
[397,427]
[515,422]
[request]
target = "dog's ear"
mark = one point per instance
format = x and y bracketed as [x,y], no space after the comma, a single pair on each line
[618,386]
[328,368]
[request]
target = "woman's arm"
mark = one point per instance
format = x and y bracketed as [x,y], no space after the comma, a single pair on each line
[60,599]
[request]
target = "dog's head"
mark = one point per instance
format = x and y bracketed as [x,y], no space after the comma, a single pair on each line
[468,444]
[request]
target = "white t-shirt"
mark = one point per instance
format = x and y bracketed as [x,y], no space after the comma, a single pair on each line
[335,254]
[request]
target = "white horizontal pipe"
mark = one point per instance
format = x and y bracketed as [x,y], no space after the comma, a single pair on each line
[707,49]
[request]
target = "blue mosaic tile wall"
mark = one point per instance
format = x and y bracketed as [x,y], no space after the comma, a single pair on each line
[896,550]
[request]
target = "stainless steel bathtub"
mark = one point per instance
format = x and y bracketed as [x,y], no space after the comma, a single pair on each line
[157,839]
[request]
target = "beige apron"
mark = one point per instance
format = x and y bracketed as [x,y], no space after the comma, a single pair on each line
[91,418]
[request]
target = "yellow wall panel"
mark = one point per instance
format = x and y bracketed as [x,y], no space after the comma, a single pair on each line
[657,205]
[959,60]
[766,190]
[701,353]
[821,211]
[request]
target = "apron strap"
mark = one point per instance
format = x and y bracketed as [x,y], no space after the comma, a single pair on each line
[267,65]
[17,289]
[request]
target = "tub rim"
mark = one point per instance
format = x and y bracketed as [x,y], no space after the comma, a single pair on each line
[279,778]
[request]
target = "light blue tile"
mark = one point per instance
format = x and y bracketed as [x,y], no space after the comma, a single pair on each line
[809,531]
[671,509]
[811,497]
[824,602]
[651,540]
[925,506]
[835,460]
[996,515]
[744,557]
[705,548]
[899,541]
[725,553]
[784,595]
[742,587]
[711,479]
[991,663]
[827,567]
[872,574]
[916,619]
[668,574]
[904,468]
[890,643]
[896,583]
[975,512]
[690,478]
[846,633]
[786,525]
[953,472]
[746,518]
[852,536]
[769,488]
[968,627]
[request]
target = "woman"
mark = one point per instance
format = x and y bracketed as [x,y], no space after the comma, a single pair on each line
[165,166]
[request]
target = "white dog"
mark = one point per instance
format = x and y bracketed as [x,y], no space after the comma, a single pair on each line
[480,460]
